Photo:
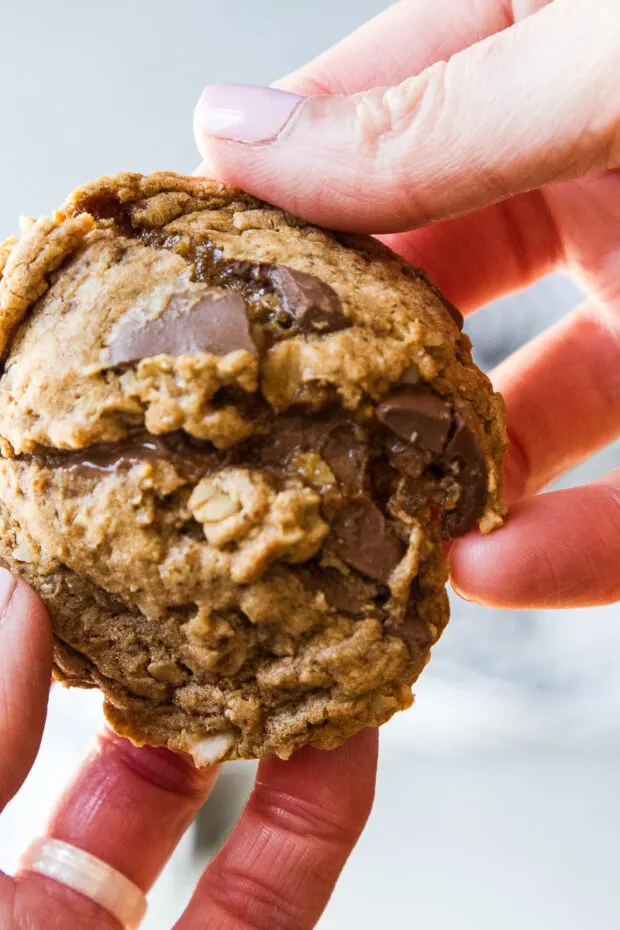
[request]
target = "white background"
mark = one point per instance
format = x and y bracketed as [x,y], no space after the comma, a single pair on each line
[498,804]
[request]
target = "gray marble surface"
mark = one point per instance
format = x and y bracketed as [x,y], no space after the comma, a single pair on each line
[497,802]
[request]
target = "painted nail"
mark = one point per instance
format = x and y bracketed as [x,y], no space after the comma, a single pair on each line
[245,113]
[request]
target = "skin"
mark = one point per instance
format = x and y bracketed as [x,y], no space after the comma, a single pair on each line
[495,110]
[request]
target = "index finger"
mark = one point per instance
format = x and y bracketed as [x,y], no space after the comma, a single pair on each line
[279,866]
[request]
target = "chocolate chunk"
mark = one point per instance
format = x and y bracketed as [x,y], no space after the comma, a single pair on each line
[366,541]
[406,458]
[338,440]
[310,302]
[215,323]
[454,312]
[418,415]
[345,454]
[463,459]
[412,629]
[340,592]
[431,428]
[314,305]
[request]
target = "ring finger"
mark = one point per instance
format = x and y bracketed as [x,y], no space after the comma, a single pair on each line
[130,806]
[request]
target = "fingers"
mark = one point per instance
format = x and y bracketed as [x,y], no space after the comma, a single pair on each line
[479,257]
[508,114]
[562,393]
[561,549]
[25,670]
[130,806]
[278,869]
[402,40]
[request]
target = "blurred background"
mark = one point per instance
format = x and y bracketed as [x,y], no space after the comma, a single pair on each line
[497,802]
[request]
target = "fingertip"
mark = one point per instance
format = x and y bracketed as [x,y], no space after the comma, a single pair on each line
[312,772]
[25,671]
[557,550]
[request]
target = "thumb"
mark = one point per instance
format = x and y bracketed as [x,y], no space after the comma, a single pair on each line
[25,672]
[537,102]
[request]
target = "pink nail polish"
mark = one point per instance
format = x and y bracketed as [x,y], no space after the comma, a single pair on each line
[245,113]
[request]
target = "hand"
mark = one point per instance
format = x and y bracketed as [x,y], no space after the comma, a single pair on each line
[131,806]
[507,137]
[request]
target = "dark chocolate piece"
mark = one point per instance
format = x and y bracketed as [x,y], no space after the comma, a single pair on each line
[310,302]
[413,631]
[344,453]
[314,305]
[215,323]
[454,312]
[418,415]
[411,628]
[407,458]
[432,428]
[340,592]
[366,541]
[463,459]
[338,440]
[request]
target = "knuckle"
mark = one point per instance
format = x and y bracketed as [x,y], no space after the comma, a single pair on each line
[398,132]
[302,817]
[388,120]
[243,896]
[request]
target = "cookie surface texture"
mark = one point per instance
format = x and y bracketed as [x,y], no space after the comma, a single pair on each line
[233,449]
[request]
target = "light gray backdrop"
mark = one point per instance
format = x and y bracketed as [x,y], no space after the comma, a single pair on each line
[498,804]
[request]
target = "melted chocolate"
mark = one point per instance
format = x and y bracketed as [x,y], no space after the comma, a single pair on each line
[105,458]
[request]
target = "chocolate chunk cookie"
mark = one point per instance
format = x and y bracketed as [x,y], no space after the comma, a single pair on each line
[233,447]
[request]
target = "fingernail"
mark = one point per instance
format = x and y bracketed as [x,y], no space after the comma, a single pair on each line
[245,113]
[7,588]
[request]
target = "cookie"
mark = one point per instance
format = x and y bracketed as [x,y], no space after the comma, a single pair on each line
[233,449]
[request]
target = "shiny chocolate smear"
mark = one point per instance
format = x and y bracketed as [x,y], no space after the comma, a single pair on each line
[193,456]
[216,322]
[366,541]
